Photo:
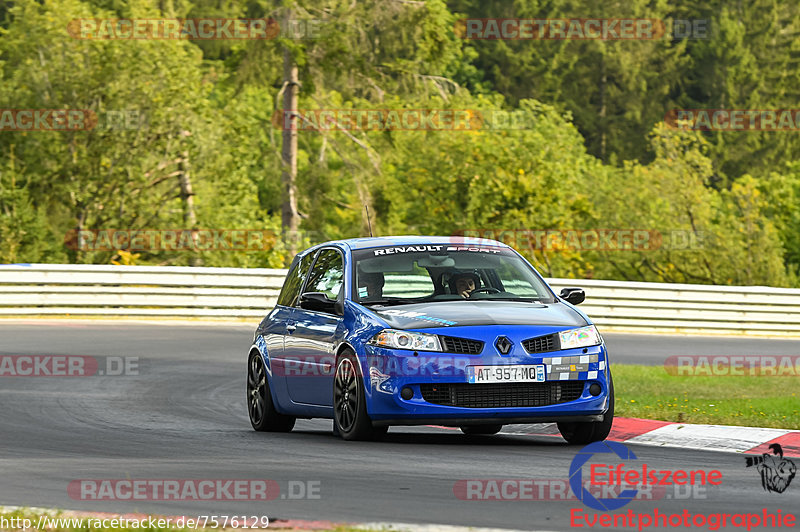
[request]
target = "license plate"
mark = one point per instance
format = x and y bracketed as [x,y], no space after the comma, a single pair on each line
[490,374]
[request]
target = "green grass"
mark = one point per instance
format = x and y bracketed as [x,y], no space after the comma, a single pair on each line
[757,401]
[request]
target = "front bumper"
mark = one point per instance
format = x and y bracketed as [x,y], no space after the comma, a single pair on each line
[459,422]
[389,371]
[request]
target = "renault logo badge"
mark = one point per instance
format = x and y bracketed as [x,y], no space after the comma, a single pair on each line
[503,345]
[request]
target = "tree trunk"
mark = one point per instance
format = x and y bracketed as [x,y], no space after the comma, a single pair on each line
[189,216]
[290,218]
[603,118]
[187,196]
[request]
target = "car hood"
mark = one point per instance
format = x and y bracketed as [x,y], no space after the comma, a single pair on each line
[464,313]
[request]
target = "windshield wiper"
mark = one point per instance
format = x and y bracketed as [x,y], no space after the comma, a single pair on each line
[523,299]
[387,302]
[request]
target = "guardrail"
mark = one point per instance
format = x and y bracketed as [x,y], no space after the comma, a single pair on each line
[186,292]
[174,291]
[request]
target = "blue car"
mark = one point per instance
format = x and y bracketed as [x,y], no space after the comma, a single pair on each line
[411,330]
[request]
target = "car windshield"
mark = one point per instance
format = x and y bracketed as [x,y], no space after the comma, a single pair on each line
[397,275]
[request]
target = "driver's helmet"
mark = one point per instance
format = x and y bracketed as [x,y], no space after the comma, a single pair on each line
[456,275]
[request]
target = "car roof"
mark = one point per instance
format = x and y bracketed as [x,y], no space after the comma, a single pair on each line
[410,240]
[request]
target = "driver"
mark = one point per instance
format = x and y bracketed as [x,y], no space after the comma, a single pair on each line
[464,283]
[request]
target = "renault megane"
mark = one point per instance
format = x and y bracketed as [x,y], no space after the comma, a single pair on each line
[376,332]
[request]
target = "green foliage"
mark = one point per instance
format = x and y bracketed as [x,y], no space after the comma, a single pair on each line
[24,232]
[590,153]
[615,90]
[707,236]
[751,62]
[781,193]
[109,178]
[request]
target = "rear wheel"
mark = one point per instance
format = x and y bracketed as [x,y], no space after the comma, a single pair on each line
[485,430]
[350,417]
[263,415]
[583,432]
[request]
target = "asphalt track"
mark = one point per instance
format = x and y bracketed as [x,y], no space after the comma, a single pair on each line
[184,416]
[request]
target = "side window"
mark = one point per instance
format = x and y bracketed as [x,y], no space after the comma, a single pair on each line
[327,274]
[294,280]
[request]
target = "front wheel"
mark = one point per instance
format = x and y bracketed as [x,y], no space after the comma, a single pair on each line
[583,432]
[263,415]
[350,417]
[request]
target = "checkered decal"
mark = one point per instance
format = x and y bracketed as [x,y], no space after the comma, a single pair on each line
[575,368]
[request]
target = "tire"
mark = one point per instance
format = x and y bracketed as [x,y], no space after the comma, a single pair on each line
[260,408]
[584,432]
[350,418]
[483,430]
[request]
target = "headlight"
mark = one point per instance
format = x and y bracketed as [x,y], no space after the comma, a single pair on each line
[583,337]
[395,339]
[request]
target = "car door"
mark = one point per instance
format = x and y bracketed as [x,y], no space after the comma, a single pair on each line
[312,343]
[281,323]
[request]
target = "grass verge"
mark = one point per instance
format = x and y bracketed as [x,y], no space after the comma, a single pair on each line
[755,401]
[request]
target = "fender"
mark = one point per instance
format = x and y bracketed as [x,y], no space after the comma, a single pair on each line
[260,346]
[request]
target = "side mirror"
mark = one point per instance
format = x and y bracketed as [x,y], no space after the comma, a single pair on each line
[317,301]
[573,295]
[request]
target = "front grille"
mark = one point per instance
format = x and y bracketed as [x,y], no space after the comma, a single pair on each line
[510,395]
[463,346]
[542,344]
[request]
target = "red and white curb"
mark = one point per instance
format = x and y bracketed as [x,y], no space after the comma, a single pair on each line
[724,438]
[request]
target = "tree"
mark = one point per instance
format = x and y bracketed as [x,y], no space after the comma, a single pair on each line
[723,238]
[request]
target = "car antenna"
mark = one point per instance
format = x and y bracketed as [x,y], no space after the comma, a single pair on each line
[369,223]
